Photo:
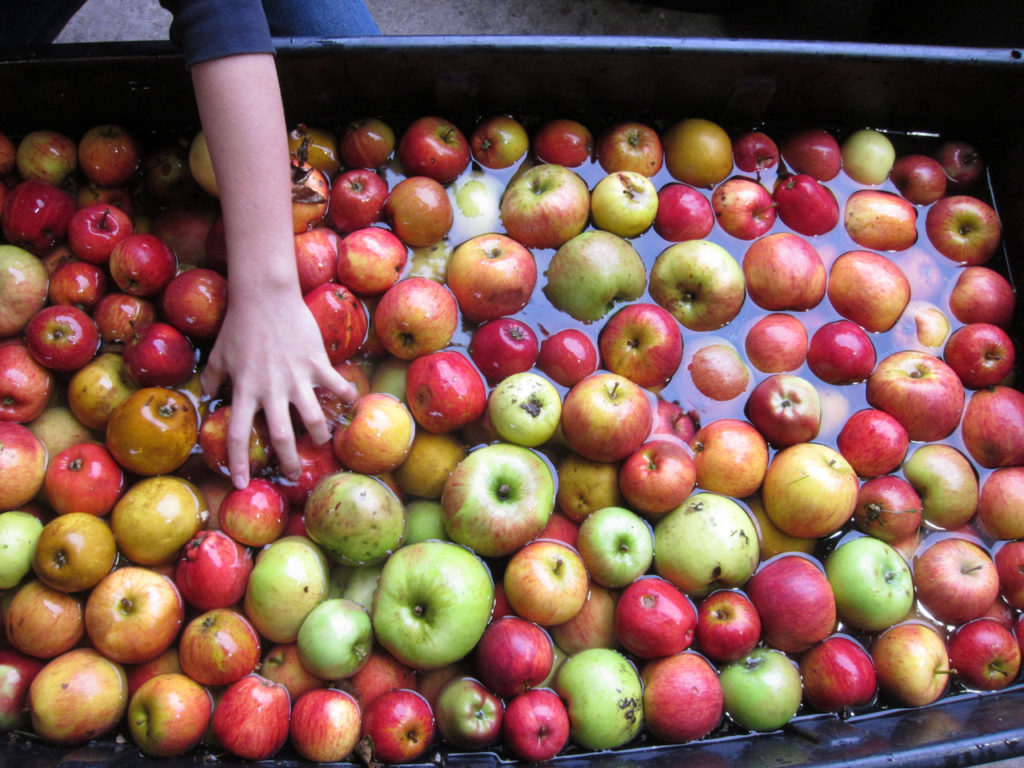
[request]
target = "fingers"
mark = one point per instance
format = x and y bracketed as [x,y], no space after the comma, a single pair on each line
[282,436]
[243,410]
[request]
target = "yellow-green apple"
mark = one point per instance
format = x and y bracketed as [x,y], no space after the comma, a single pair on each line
[513,655]
[786,409]
[535,726]
[24,283]
[776,343]
[563,141]
[629,146]
[920,390]
[697,152]
[605,417]
[499,141]
[922,326]
[370,260]
[982,354]
[657,477]
[617,546]
[218,647]
[805,205]
[684,213]
[62,337]
[984,654]
[325,725]
[754,151]
[432,603]
[604,698]
[77,696]
[213,570]
[84,478]
[525,409]
[992,427]
[838,675]
[794,601]
[418,211]
[730,457]
[95,229]
[355,518]
[36,215]
[19,534]
[653,618]
[335,638]
[507,345]
[814,151]
[708,541]
[593,626]
[642,342]
[728,626]
[476,205]
[546,582]
[432,457]
[27,384]
[955,579]
[356,582]
[743,208]
[375,434]
[809,490]
[491,275]
[683,698]
[43,622]
[416,316]
[424,520]
[964,229]
[946,482]
[841,352]
[868,156]
[888,508]
[118,314]
[251,718]
[869,289]
[468,715]
[880,221]
[545,206]
[435,147]
[59,429]
[159,355]
[999,506]
[912,663]
[982,295]
[498,498]
[399,724]
[46,154]
[133,614]
[591,272]
[22,463]
[74,552]
[872,583]
[169,714]
[761,691]
[389,376]
[700,283]
[921,179]
[874,442]
[567,356]
[288,579]
[586,485]
[624,203]
[17,670]
[445,391]
[156,517]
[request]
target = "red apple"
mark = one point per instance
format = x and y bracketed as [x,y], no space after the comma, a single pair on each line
[416,316]
[195,302]
[43,622]
[730,457]
[567,356]
[982,295]
[109,155]
[743,208]
[366,143]
[754,151]
[357,199]
[213,570]
[718,372]
[62,338]
[874,442]
[605,417]
[786,409]
[841,352]
[955,579]
[251,718]
[84,478]
[434,147]
[255,515]
[168,714]
[341,317]
[999,505]
[794,601]
[78,283]
[94,230]
[805,205]
[838,674]
[922,392]
[445,391]
[921,179]
[316,257]
[683,698]
[536,725]
[418,211]
[325,725]
[36,215]
[513,655]
[784,272]
[491,275]
[25,385]
[502,347]
[869,289]
[993,427]
[370,260]
[964,229]
[46,154]
[684,213]
[564,142]
[657,477]
[546,582]
[213,437]
[117,315]
[962,164]
[888,508]
[546,206]
[880,221]
[400,725]
[142,264]
[642,342]
[629,146]
[1009,560]
[728,626]
[376,435]
[159,355]
[776,343]
[281,664]
[982,354]
[468,714]
[498,142]
[984,654]
[17,670]
[218,647]
[813,151]
[654,618]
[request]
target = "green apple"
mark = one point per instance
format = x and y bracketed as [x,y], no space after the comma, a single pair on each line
[432,604]
[872,583]
[525,409]
[354,582]
[868,156]
[288,579]
[431,261]
[498,498]
[591,272]
[19,533]
[424,520]
[708,541]
[356,518]
[389,377]
[604,696]
[762,691]
[335,639]
[617,546]
[475,198]
[624,203]
[700,283]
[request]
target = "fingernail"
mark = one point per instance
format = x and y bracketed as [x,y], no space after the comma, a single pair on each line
[239,482]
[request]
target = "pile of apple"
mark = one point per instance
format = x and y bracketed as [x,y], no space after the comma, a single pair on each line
[663,433]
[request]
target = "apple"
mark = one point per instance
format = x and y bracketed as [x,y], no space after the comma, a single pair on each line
[984,654]
[22,463]
[399,725]
[152,431]
[109,155]
[698,152]
[213,570]
[27,385]
[878,220]
[218,647]
[794,601]
[982,295]
[922,392]
[158,354]
[289,578]
[604,698]
[84,478]
[605,417]
[36,215]
[991,427]
[841,352]
[356,199]
[683,698]
[776,343]
[498,142]
[142,264]
[872,583]
[19,534]
[964,229]
[888,508]
[117,315]
[961,162]
[251,718]
[418,211]
[921,179]
[982,354]
[591,272]
[946,482]
[325,725]
[653,618]
[593,626]
[133,614]
[657,477]
[624,203]
[585,485]
[78,283]
[491,275]
[546,582]
[255,515]
[869,289]
[366,143]
[524,409]
[642,342]
[617,546]
[94,230]
[62,338]
[416,316]
[743,208]
[341,318]
[728,625]
[563,141]
[212,439]
[513,655]
[868,156]
[912,663]
[956,580]
[506,346]
[23,288]
[468,714]
[77,696]
[761,691]
[629,146]
[434,147]
[824,498]
[335,639]
[1008,559]
[718,372]
[999,503]
[370,260]
[754,151]
[535,726]
[476,205]
[445,391]
[195,302]
[838,675]
[805,205]
[46,154]
[708,541]
[74,552]
[730,457]
[43,622]
[813,151]
[786,409]
[700,283]
[17,671]
[432,604]
[545,206]
[684,213]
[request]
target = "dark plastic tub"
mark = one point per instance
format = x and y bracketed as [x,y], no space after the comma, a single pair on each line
[967,93]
